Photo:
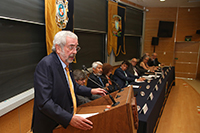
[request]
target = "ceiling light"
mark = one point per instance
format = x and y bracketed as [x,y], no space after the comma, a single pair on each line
[162,0]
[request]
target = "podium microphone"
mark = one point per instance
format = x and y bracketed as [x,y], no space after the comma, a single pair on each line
[119,88]
[112,99]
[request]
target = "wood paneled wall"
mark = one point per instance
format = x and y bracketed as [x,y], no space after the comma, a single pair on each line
[186,23]
[131,3]
[17,120]
[165,49]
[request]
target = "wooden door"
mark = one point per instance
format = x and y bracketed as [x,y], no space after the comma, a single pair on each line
[186,59]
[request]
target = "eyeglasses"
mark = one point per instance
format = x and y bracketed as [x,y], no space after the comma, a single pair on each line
[72,47]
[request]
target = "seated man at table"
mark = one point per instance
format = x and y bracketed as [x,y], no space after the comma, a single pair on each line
[153,61]
[80,77]
[124,77]
[135,69]
[95,79]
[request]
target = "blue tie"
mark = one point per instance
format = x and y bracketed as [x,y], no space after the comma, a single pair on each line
[101,81]
[126,81]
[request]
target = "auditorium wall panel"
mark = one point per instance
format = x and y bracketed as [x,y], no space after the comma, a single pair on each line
[186,67]
[152,24]
[165,47]
[166,57]
[25,115]
[187,57]
[186,22]
[147,46]
[185,75]
[198,72]
[17,120]
[187,46]
[131,3]
[10,122]
[149,33]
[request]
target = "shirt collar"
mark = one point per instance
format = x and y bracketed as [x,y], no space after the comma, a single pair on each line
[62,63]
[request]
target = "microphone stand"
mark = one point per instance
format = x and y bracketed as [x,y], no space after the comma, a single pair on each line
[120,89]
[112,99]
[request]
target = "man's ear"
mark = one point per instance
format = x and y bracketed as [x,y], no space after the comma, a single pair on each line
[58,48]
[93,69]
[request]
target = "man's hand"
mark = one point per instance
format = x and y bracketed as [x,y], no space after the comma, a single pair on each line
[98,91]
[81,123]
[141,79]
[107,84]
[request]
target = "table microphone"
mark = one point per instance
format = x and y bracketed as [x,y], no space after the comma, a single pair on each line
[112,99]
[119,88]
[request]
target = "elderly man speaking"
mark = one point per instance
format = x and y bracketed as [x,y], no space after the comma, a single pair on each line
[55,88]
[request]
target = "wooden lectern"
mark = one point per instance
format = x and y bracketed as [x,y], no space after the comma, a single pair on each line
[122,118]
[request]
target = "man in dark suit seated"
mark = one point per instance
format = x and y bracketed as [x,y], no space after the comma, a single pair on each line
[124,77]
[135,69]
[95,79]
[153,61]
[55,88]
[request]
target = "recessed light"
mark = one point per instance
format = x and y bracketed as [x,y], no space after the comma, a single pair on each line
[162,0]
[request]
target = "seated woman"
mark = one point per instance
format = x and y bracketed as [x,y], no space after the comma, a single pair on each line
[107,74]
[145,66]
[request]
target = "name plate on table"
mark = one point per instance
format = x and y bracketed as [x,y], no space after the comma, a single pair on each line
[160,81]
[156,87]
[136,86]
[150,96]
[165,72]
[144,109]
[163,76]
[148,87]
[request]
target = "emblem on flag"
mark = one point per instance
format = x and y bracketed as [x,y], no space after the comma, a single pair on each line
[61,13]
[116,25]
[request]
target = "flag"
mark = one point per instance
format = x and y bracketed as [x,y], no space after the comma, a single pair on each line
[116,26]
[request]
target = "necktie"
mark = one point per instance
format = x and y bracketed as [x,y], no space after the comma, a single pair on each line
[136,72]
[71,89]
[126,81]
[101,81]
[109,80]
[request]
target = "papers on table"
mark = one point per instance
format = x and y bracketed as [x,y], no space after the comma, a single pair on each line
[139,81]
[134,86]
[87,115]
[159,72]
[150,76]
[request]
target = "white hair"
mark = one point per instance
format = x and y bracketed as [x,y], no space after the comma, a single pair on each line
[96,63]
[60,38]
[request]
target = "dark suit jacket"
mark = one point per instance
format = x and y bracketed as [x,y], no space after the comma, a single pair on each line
[153,63]
[96,79]
[53,103]
[121,79]
[139,70]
